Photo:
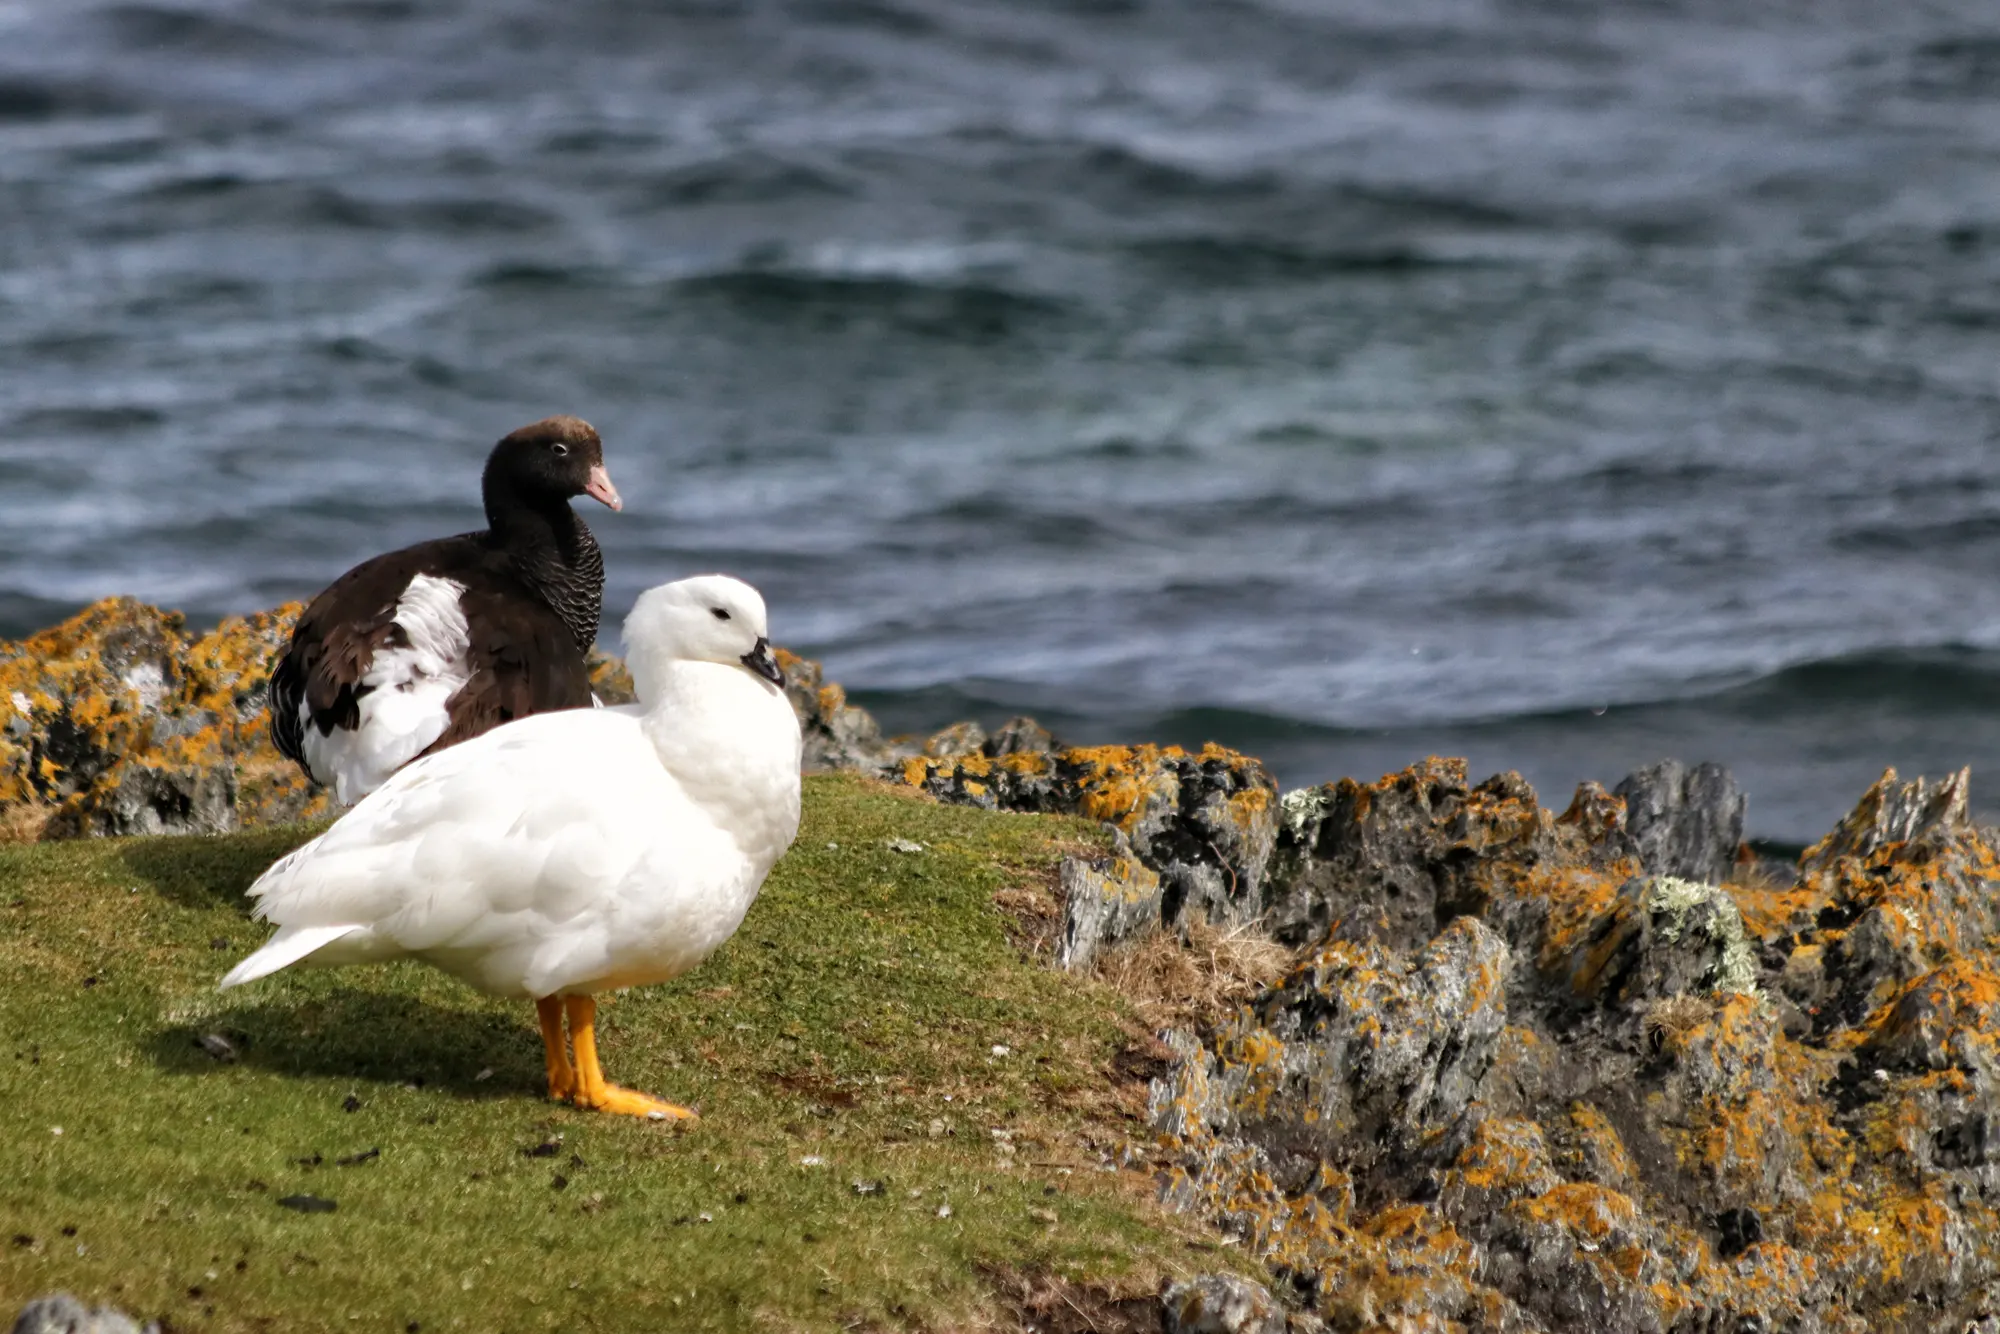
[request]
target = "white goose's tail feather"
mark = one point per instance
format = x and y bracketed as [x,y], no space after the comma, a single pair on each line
[291,944]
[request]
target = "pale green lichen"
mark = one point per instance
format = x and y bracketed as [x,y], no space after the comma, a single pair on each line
[1673,899]
[1301,810]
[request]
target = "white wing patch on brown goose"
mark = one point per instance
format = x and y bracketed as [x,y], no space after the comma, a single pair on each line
[405,693]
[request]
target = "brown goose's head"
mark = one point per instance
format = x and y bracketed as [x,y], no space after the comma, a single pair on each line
[549,462]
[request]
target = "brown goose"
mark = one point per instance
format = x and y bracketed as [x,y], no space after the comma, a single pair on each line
[422,648]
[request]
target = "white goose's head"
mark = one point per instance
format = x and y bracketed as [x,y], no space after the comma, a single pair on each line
[709,618]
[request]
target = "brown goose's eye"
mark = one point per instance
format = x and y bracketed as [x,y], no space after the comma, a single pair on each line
[562,450]
[718,613]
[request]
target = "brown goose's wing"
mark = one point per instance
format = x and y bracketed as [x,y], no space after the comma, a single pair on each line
[316,681]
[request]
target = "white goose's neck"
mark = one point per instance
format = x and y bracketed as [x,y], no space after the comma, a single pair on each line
[732,741]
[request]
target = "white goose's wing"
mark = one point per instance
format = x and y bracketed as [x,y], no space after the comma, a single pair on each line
[484,853]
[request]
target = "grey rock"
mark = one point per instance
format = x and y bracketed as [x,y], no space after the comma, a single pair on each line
[153,799]
[1220,1304]
[1392,860]
[1019,736]
[1360,1057]
[958,739]
[1921,813]
[1105,901]
[61,1313]
[836,735]
[1204,822]
[1683,822]
[1664,937]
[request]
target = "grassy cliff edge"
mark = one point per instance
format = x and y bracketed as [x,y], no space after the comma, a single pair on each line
[909,1122]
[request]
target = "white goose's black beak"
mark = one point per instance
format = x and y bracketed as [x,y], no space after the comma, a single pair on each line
[760,661]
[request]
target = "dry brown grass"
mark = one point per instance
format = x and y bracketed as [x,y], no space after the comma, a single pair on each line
[22,823]
[1762,875]
[1193,982]
[1669,1022]
[1050,1304]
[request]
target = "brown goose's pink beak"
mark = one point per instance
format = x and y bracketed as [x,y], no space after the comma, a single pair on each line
[599,488]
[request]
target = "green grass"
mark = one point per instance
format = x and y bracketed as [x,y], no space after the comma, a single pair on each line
[854,1018]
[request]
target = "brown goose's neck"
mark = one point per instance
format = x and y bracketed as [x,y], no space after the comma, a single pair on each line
[556,555]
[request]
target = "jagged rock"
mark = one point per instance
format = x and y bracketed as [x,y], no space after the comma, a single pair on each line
[1220,1304]
[1761,1105]
[958,739]
[80,698]
[122,724]
[61,1313]
[1685,823]
[1582,1256]
[1105,901]
[837,735]
[143,797]
[1357,1060]
[1664,937]
[1903,883]
[229,679]
[1397,858]
[1503,1161]
[1204,822]
[1945,1020]
[1019,736]
[1891,813]
[1928,1074]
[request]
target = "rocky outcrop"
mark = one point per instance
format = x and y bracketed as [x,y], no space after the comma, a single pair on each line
[837,735]
[1204,823]
[120,722]
[1681,822]
[1106,900]
[1220,1304]
[1396,859]
[1525,1077]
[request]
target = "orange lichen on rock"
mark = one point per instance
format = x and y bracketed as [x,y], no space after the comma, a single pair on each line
[1124,785]
[1505,1160]
[121,724]
[1770,911]
[1576,899]
[1947,1019]
[1588,1212]
[228,676]
[1206,822]
[80,694]
[1771,1104]
[1745,1111]
[1591,1149]
[611,682]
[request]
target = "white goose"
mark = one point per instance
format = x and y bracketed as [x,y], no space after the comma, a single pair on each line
[574,852]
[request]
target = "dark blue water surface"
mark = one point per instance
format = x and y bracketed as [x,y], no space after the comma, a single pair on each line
[1560,384]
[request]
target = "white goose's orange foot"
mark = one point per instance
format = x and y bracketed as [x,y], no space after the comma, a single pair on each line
[562,1075]
[592,1092]
[630,1102]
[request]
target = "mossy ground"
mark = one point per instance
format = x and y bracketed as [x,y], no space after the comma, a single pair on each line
[854,1019]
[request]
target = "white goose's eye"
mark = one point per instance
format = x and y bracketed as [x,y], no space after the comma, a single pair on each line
[562,450]
[718,613]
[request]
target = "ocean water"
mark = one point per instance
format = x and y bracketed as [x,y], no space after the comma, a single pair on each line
[1564,385]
